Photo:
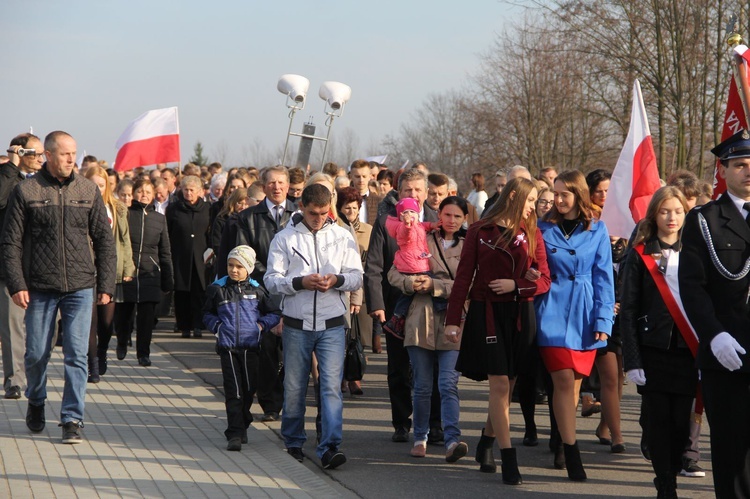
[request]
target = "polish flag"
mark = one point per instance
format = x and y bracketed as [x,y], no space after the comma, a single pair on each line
[153,137]
[635,177]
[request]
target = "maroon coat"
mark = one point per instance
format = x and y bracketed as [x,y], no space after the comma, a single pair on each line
[481,262]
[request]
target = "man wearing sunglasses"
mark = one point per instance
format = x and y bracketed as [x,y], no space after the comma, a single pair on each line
[26,157]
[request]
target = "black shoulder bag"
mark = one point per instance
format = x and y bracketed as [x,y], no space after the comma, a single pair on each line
[354,361]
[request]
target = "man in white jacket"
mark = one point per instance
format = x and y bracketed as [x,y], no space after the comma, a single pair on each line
[311,264]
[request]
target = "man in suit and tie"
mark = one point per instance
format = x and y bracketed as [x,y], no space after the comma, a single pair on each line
[381,299]
[256,228]
[715,291]
[360,176]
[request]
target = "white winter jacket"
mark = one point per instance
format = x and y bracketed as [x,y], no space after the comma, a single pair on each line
[296,252]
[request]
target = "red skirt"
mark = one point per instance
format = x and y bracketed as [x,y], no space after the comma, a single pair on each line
[558,358]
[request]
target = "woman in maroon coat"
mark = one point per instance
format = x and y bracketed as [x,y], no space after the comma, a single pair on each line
[505,258]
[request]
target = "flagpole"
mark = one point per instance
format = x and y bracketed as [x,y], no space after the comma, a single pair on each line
[739,67]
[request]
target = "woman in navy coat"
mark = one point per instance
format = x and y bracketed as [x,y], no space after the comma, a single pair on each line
[576,316]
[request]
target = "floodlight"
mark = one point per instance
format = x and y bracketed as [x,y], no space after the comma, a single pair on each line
[295,87]
[335,94]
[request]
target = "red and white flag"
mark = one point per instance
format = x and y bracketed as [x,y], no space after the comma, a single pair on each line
[635,177]
[153,137]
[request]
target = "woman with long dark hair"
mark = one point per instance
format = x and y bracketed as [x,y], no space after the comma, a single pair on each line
[423,331]
[503,266]
[609,358]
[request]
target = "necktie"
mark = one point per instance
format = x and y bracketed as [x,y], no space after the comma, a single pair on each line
[746,206]
[278,209]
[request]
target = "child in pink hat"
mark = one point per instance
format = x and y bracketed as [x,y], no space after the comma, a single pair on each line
[411,258]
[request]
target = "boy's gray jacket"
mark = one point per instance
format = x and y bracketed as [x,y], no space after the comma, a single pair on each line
[296,252]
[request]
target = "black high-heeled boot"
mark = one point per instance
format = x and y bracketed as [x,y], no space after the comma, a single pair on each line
[511,475]
[93,370]
[484,456]
[559,462]
[573,463]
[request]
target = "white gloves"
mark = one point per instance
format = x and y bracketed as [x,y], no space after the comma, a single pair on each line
[636,376]
[725,348]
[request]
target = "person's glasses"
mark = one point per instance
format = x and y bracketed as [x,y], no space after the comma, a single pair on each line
[544,202]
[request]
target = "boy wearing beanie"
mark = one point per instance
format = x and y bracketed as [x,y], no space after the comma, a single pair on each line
[237,310]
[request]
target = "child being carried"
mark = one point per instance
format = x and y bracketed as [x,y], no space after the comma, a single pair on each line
[411,258]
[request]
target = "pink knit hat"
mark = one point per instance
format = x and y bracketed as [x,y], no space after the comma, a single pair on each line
[407,204]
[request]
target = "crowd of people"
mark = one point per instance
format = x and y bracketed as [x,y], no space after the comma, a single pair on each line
[522,286]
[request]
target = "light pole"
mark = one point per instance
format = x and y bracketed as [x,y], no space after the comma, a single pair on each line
[335,95]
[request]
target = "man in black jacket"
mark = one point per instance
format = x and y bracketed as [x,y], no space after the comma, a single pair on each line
[715,287]
[52,222]
[381,300]
[12,330]
[256,228]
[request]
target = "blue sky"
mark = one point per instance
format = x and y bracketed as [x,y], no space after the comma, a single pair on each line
[90,67]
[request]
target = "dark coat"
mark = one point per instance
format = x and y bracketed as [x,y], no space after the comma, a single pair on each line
[152,255]
[189,238]
[227,243]
[217,229]
[712,302]
[379,294]
[49,231]
[256,227]
[10,176]
[371,207]
[644,318]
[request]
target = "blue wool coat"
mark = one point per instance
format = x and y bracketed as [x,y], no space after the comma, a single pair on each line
[581,298]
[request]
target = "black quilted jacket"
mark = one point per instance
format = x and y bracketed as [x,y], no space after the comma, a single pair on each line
[49,231]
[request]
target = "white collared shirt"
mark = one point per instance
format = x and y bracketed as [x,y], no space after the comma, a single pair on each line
[161,207]
[739,203]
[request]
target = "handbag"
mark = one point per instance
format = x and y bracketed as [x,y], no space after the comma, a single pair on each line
[354,361]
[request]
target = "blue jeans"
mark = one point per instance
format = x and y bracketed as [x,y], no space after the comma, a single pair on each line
[41,318]
[329,348]
[422,363]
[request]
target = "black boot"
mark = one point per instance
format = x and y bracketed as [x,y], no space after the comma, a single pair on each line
[484,455]
[559,462]
[666,487]
[573,463]
[93,370]
[511,475]
[102,357]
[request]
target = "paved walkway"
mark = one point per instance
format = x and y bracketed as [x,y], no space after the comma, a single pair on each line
[149,432]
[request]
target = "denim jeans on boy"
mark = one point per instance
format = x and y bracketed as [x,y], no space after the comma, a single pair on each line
[41,319]
[329,348]
[422,363]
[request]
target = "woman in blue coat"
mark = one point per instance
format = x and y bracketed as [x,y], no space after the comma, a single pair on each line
[576,316]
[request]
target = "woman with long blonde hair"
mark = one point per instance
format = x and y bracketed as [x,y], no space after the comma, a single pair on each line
[103,320]
[503,265]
